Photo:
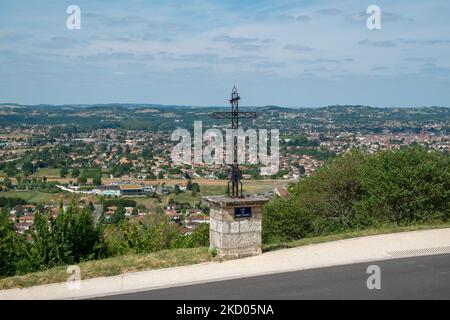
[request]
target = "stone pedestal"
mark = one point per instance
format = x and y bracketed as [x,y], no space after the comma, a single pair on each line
[235,226]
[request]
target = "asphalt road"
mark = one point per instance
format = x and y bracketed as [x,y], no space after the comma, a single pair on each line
[425,277]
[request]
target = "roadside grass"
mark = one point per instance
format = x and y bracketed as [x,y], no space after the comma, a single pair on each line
[181,257]
[112,267]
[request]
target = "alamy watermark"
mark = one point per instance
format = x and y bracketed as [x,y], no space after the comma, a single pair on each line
[74,281]
[73,22]
[374,20]
[374,280]
[251,147]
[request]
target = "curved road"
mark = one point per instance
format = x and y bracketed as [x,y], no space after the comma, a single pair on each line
[426,277]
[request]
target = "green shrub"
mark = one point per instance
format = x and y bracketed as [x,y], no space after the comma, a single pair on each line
[408,185]
[285,220]
[156,232]
[356,191]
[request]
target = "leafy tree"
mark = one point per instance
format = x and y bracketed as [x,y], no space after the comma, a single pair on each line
[9,202]
[119,202]
[28,168]
[147,154]
[7,183]
[63,172]
[118,216]
[223,175]
[82,180]
[85,235]
[8,238]
[42,240]
[70,238]
[13,249]
[97,181]
[195,187]
[11,170]
[75,173]
[302,141]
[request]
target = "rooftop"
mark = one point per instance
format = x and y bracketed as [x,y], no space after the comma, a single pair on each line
[130,187]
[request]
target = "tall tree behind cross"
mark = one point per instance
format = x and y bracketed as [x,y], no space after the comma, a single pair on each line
[234,115]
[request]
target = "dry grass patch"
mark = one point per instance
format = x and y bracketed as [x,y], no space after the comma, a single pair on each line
[112,267]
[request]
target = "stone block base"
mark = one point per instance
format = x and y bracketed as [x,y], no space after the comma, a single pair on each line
[235,236]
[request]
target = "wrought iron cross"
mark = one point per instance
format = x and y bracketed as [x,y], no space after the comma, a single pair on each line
[234,115]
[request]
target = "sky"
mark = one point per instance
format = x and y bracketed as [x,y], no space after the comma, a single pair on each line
[192,52]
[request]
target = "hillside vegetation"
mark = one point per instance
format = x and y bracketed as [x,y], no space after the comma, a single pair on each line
[353,195]
[73,237]
[358,191]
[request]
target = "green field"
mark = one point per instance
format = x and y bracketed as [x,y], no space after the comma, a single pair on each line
[47,172]
[204,191]
[184,197]
[250,187]
[36,196]
[259,186]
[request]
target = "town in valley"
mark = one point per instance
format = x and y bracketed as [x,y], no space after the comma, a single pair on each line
[117,157]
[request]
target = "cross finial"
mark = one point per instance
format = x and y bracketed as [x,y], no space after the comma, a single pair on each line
[235,173]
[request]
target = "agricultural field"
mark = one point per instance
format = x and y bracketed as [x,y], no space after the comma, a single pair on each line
[35,196]
[207,188]
[47,172]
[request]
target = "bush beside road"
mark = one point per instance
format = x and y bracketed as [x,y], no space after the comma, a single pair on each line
[178,257]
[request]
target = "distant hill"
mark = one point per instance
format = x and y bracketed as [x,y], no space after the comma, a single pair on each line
[355,118]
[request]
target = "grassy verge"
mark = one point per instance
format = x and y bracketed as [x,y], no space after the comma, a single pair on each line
[112,266]
[180,257]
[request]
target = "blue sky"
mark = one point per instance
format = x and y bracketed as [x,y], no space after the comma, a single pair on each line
[289,53]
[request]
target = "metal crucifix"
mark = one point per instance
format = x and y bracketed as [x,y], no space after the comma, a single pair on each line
[234,115]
